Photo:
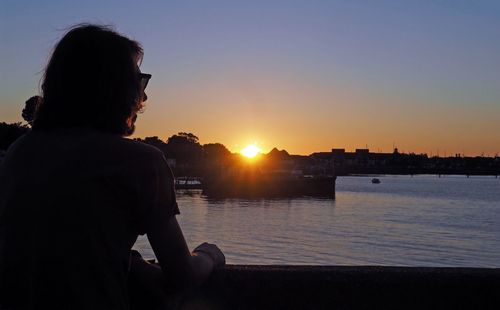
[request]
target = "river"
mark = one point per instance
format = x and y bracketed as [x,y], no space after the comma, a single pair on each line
[403,221]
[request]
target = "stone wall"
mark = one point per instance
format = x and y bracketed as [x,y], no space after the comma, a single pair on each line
[336,287]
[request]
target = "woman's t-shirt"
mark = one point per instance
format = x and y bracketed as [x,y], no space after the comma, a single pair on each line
[72,204]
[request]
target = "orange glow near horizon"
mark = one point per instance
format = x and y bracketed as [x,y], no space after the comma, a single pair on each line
[250,151]
[352,120]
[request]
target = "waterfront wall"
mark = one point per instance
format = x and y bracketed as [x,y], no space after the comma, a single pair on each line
[335,287]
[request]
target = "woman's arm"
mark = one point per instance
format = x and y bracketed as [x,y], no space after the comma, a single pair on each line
[181,269]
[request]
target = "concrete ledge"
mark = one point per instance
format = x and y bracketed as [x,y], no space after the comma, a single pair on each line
[338,287]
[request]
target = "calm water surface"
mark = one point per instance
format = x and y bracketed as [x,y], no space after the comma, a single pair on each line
[404,221]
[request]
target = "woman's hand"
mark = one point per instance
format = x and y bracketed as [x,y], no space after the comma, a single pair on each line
[213,252]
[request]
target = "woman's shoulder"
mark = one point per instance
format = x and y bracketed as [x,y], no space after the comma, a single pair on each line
[139,148]
[93,143]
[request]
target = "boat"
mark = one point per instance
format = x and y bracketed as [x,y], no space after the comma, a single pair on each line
[375,181]
[268,186]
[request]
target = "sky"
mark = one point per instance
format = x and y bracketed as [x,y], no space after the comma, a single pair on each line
[305,76]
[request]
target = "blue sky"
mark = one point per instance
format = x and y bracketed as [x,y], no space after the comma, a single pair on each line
[302,75]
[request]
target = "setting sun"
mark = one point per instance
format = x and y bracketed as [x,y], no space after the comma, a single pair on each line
[251,151]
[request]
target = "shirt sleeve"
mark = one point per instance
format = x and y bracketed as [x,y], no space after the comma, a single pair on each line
[156,193]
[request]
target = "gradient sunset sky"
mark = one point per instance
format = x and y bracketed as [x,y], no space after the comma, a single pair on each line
[303,76]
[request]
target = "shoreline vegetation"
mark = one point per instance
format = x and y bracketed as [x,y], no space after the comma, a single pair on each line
[220,173]
[188,158]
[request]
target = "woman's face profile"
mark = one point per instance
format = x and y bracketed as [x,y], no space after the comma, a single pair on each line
[142,97]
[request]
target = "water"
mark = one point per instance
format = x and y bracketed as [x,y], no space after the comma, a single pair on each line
[404,221]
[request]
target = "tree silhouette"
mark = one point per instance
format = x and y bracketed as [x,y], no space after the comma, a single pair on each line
[30,107]
[156,142]
[187,151]
[215,151]
[191,138]
[184,147]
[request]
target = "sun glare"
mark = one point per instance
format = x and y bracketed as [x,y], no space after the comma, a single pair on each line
[251,151]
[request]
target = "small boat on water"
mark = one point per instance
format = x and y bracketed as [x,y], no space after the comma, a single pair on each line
[375,181]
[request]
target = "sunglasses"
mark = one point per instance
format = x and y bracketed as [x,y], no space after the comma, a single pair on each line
[144,78]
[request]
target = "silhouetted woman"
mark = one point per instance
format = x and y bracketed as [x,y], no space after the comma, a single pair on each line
[75,194]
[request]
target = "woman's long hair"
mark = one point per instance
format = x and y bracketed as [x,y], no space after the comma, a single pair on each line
[91,81]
